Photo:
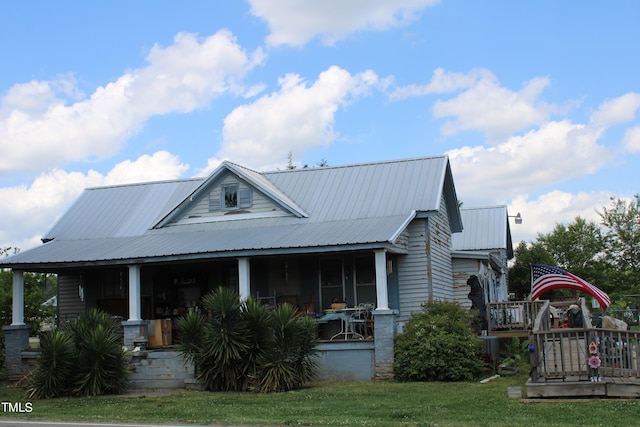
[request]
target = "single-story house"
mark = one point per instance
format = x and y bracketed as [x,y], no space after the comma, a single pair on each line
[375,233]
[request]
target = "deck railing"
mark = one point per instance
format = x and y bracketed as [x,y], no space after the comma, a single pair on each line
[513,315]
[564,354]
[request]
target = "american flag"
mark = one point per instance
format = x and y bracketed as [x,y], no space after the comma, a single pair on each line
[545,278]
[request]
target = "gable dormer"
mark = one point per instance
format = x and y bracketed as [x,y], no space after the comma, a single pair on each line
[232,192]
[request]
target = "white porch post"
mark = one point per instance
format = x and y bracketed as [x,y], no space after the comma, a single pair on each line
[18,298]
[134,293]
[244,278]
[382,293]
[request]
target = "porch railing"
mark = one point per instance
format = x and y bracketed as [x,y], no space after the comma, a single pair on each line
[513,315]
[564,354]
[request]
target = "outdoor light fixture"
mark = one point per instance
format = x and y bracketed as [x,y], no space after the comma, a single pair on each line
[517,216]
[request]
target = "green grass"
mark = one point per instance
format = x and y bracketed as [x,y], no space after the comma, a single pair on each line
[340,404]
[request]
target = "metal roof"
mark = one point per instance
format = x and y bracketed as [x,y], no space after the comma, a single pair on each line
[485,228]
[334,207]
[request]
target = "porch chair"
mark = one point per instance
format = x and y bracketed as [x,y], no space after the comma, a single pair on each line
[362,320]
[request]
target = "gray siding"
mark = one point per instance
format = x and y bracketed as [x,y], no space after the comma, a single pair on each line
[462,269]
[69,304]
[426,271]
[413,273]
[260,203]
[440,251]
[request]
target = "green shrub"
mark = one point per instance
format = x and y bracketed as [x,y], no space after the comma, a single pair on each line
[288,361]
[54,372]
[84,358]
[248,346]
[101,366]
[439,344]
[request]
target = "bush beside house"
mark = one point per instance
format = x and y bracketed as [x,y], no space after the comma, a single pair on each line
[439,343]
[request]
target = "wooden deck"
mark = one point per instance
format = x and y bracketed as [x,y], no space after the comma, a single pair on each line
[560,356]
[573,387]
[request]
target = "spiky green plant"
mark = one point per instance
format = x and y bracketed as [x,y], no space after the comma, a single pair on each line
[290,360]
[85,358]
[190,328]
[101,366]
[259,322]
[54,372]
[247,346]
[222,363]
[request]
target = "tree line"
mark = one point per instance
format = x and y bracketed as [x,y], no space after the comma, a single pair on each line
[605,254]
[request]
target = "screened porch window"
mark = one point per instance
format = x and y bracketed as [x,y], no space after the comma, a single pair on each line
[331,281]
[365,279]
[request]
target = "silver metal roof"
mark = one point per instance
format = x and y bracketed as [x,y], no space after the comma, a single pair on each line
[485,228]
[362,205]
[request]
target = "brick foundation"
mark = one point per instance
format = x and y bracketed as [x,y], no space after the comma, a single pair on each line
[16,340]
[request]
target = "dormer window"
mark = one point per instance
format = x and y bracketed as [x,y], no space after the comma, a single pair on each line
[230,197]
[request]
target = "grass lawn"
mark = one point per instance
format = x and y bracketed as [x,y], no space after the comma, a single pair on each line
[361,403]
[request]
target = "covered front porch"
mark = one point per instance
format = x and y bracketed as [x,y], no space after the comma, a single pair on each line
[149,299]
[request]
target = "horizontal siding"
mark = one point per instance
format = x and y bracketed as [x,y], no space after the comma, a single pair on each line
[440,250]
[260,203]
[413,275]
[69,303]
[462,269]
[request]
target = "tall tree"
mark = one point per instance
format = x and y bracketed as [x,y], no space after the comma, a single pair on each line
[520,271]
[622,222]
[579,248]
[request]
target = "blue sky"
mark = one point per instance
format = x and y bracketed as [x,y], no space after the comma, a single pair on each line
[536,103]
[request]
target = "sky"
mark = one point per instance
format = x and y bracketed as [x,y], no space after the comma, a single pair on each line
[535,102]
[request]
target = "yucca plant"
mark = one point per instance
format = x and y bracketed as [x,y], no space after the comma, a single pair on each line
[85,358]
[101,366]
[247,346]
[190,328]
[290,360]
[54,372]
[222,363]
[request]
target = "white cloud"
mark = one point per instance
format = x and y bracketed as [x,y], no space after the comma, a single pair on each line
[631,140]
[494,110]
[36,207]
[443,81]
[294,22]
[555,152]
[42,125]
[295,119]
[616,111]
[542,214]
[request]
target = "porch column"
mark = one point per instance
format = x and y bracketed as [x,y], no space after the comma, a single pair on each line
[244,278]
[16,335]
[18,298]
[134,293]
[382,293]
[136,331]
